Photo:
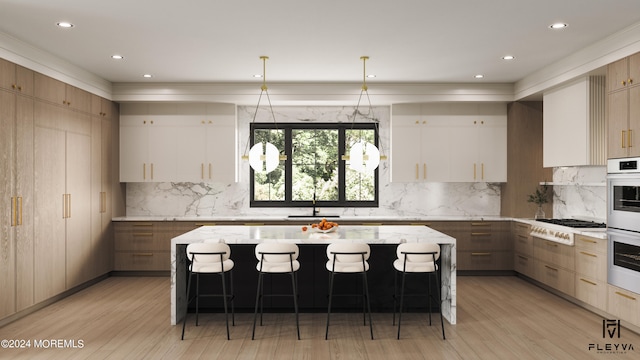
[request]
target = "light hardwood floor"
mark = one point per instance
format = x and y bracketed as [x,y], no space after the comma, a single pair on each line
[498,318]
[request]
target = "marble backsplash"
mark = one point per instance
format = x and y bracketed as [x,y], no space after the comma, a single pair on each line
[580,192]
[396,199]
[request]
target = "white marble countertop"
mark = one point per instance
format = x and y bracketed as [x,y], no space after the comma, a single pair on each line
[388,234]
[258,218]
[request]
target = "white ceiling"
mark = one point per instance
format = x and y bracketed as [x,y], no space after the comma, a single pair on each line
[418,41]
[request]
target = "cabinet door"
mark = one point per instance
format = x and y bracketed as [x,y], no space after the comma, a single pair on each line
[162,152]
[463,151]
[405,148]
[617,124]
[7,204]
[134,149]
[633,132]
[49,89]
[492,150]
[49,225]
[104,249]
[617,75]
[435,140]
[221,151]
[634,70]
[78,222]
[24,173]
[191,148]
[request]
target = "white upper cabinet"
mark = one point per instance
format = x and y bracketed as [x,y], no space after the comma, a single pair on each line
[447,142]
[574,127]
[177,143]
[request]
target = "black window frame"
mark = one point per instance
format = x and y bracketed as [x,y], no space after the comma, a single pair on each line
[288,202]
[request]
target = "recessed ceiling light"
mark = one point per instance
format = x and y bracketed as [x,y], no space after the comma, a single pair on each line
[147,76]
[479,76]
[558,26]
[371,75]
[64,24]
[117,57]
[257,76]
[508,57]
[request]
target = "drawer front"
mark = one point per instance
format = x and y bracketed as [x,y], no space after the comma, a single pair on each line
[591,264]
[143,260]
[555,277]
[523,244]
[484,260]
[554,253]
[592,291]
[523,264]
[624,304]
[143,240]
[521,229]
[590,244]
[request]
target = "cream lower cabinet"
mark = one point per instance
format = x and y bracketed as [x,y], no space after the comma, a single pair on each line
[591,271]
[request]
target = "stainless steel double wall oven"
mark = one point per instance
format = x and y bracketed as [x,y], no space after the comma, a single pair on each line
[623,223]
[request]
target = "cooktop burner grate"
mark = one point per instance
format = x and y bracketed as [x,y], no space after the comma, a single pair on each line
[573,223]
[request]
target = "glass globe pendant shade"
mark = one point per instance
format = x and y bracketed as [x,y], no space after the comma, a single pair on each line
[264,159]
[364,157]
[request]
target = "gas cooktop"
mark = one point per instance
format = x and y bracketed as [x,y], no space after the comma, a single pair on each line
[574,223]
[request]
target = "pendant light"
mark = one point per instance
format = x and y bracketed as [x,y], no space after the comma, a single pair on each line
[264,157]
[364,156]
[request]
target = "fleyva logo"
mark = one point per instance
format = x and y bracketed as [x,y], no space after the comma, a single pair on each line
[611,330]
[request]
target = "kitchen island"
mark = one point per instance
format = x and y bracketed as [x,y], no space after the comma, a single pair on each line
[387,236]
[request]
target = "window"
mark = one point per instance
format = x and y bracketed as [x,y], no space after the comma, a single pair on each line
[314,170]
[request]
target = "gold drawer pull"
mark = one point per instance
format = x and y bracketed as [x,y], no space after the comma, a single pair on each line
[551,268]
[480,234]
[143,224]
[588,254]
[523,257]
[524,226]
[626,296]
[588,282]
[526,238]
[551,244]
[418,224]
[205,224]
[142,234]
[480,254]
[588,241]
[480,224]
[142,254]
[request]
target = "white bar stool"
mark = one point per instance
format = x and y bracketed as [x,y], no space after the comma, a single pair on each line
[210,258]
[349,258]
[417,258]
[276,258]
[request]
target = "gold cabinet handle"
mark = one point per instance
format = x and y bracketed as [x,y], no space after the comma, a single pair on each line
[551,268]
[20,211]
[210,170]
[629,143]
[523,237]
[144,171]
[482,170]
[202,171]
[480,254]
[69,206]
[588,254]
[64,206]
[417,171]
[588,241]
[630,81]
[523,226]
[549,243]
[623,83]
[151,171]
[142,254]
[424,171]
[474,171]
[143,224]
[13,211]
[626,296]
[588,282]
[623,138]
[480,224]
[480,234]
[523,257]
[205,224]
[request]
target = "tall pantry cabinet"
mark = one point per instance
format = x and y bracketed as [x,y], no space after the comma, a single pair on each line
[16,189]
[55,191]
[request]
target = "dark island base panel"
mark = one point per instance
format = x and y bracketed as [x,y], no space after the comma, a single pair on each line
[313,284]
